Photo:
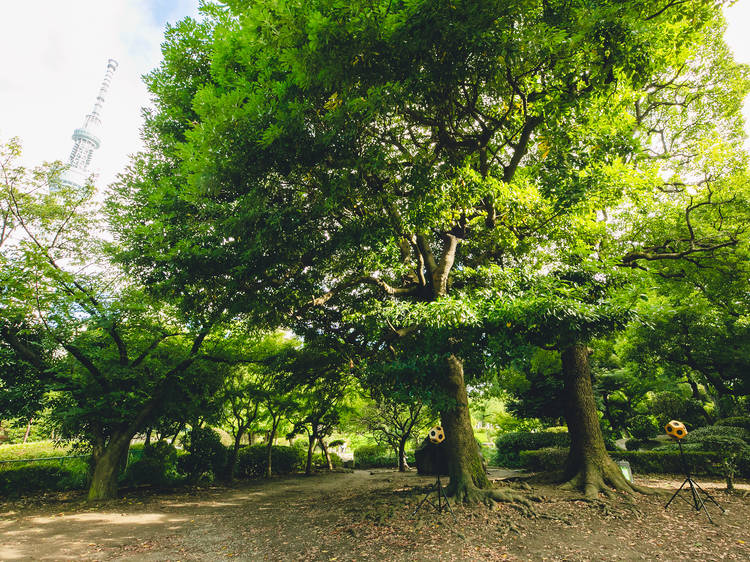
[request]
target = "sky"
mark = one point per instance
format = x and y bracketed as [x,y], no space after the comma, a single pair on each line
[54,54]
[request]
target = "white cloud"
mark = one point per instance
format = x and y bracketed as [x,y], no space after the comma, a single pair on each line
[54,58]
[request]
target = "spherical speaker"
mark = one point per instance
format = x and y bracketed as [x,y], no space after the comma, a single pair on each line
[676,429]
[436,434]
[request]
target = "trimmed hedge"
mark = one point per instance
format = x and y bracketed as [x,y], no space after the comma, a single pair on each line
[21,478]
[509,445]
[375,456]
[648,462]
[700,434]
[251,461]
[737,421]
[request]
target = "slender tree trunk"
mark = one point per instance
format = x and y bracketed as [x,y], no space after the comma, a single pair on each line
[402,464]
[269,447]
[107,462]
[174,438]
[326,454]
[233,454]
[310,449]
[588,467]
[467,475]
[147,443]
[28,430]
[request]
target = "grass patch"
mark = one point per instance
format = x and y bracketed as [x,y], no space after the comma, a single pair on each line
[35,450]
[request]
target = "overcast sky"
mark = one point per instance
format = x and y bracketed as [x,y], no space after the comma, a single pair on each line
[54,54]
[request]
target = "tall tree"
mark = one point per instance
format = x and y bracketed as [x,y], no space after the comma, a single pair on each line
[374,152]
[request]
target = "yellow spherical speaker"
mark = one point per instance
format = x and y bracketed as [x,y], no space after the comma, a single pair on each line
[676,429]
[436,434]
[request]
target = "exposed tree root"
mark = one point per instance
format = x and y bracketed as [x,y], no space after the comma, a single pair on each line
[605,478]
[470,494]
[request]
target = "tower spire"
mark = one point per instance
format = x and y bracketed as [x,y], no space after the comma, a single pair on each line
[85,139]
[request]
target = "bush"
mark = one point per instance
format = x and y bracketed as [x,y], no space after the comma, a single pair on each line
[654,462]
[20,478]
[737,421]
[543,460]
[672,406]
[643,427]
[157,466]
[702,433]
[319,460]
[251,461]
[375,456]
[509,445]
[206,455]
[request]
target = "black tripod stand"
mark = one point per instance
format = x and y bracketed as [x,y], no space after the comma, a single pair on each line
[442,499]
[698,502]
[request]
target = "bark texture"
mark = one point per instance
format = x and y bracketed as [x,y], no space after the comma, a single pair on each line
[467,475]
[107,462]
[589,467]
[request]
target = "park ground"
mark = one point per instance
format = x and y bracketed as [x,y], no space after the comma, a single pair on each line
[364,515]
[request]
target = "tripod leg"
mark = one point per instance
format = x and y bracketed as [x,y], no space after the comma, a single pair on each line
[677,492]
[697,501]
[425,499]
[448,505]
[709,497]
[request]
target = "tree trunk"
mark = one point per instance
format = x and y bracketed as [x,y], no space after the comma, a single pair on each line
[269,447]
[467,475]
[588,467]
[107,462]
[28,430]
[310,448]
[402,464]
[233,454]
[147,443]
[326,454]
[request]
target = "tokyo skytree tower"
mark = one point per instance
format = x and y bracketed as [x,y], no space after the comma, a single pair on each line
[85,139]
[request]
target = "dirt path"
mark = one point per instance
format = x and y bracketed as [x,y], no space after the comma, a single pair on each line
[365,516]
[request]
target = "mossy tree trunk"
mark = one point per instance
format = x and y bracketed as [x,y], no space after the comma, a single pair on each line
[107,462]
[589,467]
[467,475]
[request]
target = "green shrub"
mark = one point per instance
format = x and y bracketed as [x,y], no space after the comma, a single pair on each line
[251,461]
[157,466]
[737,421]
[20,478]
[206,455]
[319,460]
[643,427]
[646,462]
[543,460]
[375,456]
[509,445]
[709,432]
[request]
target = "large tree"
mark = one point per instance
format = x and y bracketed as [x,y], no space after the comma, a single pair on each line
[343,156]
